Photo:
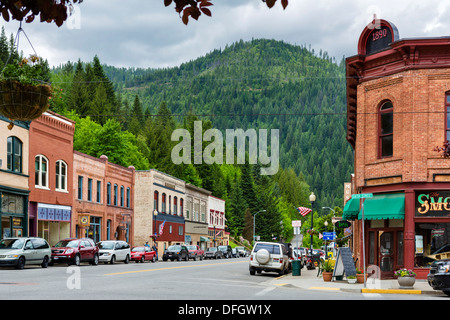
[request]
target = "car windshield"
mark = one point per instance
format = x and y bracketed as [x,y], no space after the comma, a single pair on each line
[272,248]
[67,244]
[106,245]
[212,249]
[223,248]
[174,248]
[192,247]
[138,249]
[444,248]
[11,244]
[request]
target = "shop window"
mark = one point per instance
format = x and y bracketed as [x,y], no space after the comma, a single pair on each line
[14,154]
[41,171]
[431,239]
[61,175]
[386,130]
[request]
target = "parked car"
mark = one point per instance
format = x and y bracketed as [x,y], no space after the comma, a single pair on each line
[178,252]
[195,252]
[226,251]
[17,252]
[234,253]
[242,252]
[439,276]
[142,254]
[74,251]
[213,253]
[269,257]
[114,250]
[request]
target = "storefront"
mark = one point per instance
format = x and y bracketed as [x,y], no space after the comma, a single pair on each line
[53,222]
[13,213]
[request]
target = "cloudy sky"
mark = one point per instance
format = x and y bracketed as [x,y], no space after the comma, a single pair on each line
[145,33]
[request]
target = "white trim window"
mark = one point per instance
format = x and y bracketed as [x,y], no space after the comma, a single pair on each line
[61,175]
[41,172]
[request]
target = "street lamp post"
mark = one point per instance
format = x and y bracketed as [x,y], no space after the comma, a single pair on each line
[312,199]
[254,216]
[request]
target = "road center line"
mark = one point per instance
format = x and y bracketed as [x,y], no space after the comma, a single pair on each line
[172,268]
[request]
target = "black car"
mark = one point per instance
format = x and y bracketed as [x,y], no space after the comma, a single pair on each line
[439,276]
[213,253]
[178,252]
[226,251]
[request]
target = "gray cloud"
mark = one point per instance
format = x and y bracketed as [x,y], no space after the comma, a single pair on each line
[147,34]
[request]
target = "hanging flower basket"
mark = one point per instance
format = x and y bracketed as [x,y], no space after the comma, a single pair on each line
[23,93]
[23,101]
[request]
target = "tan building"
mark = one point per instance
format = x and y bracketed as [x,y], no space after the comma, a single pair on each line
[196,215]
[14,172]
[159,207]
[216,222]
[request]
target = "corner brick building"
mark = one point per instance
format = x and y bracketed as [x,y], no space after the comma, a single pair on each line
[398,111]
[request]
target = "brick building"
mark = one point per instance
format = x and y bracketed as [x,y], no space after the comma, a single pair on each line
[103,199]
[50,178]
[159,207]
[216,222]
[196,216]
[398,111]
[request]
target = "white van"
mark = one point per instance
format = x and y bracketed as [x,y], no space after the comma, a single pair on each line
[113,250]
[269,257]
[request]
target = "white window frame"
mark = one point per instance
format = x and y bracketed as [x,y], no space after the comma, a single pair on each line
[58,176]
[39,184]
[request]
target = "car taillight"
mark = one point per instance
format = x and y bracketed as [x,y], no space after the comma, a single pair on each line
[251,258]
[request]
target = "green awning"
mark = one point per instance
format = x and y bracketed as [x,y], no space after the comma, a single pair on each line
[351,209]
[384,206]
[204,239]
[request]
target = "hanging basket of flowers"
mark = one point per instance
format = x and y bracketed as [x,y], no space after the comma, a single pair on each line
[23,95]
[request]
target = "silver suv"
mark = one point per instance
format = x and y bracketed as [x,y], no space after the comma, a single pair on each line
[269,257]
[17,252]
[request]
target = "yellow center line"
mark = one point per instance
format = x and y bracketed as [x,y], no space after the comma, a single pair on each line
[171,268]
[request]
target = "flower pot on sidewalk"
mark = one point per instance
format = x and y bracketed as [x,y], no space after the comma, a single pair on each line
[360,277]
[406,278]
[327,276]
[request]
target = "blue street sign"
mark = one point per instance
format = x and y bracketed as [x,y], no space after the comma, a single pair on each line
[329,235]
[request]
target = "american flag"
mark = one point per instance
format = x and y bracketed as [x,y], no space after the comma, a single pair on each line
[161,227]
[303,211]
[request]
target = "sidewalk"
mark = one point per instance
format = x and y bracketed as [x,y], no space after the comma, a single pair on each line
[308,280]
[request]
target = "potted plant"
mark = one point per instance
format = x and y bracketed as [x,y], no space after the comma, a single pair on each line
[327,270]
[351,279]
[406,278]
[24,92]
[360,276]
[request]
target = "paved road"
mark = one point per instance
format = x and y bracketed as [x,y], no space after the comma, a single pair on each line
[226,279]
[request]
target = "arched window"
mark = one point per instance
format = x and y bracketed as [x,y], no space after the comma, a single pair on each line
[14,154]
[156,201]
[61,175]
[163,203]
[181,206]
[175,206]
[386,130]
[41,171]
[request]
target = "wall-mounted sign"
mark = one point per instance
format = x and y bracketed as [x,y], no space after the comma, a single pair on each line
[343,224]
[84,221]
[432,204]
[377,36]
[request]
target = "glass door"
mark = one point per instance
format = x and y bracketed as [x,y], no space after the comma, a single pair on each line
[386,254]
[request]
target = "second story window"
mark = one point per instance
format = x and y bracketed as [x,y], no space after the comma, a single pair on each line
[61,175]
[108,193]
[80,188]
[386,130]
[447,120]
[41,171]
[14,154]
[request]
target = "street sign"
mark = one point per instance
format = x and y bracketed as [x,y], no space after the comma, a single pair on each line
[362,195]
[296,230]
[329,235]
[297,223]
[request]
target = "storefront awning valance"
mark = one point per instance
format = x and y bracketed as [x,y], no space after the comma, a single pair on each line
[384,206]
[351,209]
[204,239]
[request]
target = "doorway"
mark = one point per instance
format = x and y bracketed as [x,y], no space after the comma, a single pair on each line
[385,249]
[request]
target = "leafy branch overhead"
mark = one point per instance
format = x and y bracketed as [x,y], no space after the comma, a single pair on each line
[195,8]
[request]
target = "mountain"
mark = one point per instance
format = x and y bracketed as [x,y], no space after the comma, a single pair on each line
[260,84]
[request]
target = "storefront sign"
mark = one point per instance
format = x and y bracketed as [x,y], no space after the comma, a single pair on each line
[433,204]
[84,221]
[343,224]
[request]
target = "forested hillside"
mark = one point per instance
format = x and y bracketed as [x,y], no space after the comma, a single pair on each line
[130,114]
[262,84]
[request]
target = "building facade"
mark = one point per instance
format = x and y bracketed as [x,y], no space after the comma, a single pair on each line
[398,112]
[14,174]
[50,179]
[103,199]
[216,222]
[196,216]
[159,207]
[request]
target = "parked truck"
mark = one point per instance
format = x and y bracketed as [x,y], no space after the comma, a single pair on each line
[195,252]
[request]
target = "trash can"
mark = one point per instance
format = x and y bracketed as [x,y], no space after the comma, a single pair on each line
[296,267]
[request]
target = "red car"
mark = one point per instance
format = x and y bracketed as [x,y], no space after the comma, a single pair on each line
[74,251]
[140,254]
